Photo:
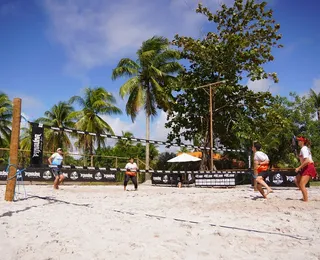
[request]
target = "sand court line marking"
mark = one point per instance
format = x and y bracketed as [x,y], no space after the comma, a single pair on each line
[215,225]
[50,201]
[10,213]
[60,201]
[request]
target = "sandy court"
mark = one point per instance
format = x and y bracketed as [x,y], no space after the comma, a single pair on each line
[104,222]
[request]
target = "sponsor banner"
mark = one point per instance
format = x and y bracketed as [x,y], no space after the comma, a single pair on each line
[172,178]
[218,179]
[3,174]
[45,174]
[36,145]
[282,179]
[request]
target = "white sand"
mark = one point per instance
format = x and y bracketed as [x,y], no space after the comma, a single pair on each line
[104,222]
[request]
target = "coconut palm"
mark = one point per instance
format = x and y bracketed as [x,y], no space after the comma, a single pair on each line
[25,144]
[95,103]
[5,120]
[25,138]
[150,76]
[316,101]
[125,143]
[59,115]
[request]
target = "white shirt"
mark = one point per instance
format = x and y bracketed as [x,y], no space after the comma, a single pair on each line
[131,166]
[305,153]
[57,159]
[260,156]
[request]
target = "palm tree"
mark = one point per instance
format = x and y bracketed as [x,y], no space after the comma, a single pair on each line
[316,101]
[125,143]
[25,145]
[96,102]
[150,76]
[5,120]
[59,115]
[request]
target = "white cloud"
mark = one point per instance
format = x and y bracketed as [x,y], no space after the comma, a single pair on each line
[158,131]
[263,86]
[138,127]
[316,85]
[30,106]
[98,32]
[119,125]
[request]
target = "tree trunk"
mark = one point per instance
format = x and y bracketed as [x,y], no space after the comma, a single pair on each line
[204,165]
[91,151]
[318,113]
[148,176]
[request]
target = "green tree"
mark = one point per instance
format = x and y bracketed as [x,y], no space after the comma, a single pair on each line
[162,162]
[25,145]
[242,43]
[95,103]
[100,160]
[150,76]
[125,143]
[285,118]
[59,115]
[140,150]
[5,120]
[316,100]
[301,115]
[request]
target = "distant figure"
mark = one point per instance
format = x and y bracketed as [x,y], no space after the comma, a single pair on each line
[179,180]
[56,161]
[131,173]
[261,165]
[306,170]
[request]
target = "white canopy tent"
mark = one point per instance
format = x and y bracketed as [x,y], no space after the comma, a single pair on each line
[184,157]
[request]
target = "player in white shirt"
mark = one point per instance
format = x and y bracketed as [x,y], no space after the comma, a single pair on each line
[131,173]
[306,170]
[55,161]
[261,165]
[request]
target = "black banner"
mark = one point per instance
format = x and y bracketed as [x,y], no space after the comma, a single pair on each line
[222,179]
[172,178]
[82,175]
[36,145]
[282,178]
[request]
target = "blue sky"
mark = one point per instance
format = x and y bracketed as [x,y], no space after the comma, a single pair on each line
[51,49]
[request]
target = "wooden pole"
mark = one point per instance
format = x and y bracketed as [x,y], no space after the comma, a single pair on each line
[211,132]
[14,145]
[210,85]
[148,175]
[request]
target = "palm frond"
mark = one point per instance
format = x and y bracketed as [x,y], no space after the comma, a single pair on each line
[76,99]
[171,67]
[128,87]
[125,67]
[135,102]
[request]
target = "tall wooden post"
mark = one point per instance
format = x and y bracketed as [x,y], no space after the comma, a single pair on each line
[211,131]
[212,92]
[148,175]
[14,146]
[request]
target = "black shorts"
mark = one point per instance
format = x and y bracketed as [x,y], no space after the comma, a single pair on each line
[261,174]
[56,171]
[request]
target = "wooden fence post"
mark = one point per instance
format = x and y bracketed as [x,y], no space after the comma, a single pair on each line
[14,145]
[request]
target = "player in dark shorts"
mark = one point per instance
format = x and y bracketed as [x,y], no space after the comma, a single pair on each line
[261,165]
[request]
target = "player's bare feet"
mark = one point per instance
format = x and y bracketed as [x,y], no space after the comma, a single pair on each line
[269,191]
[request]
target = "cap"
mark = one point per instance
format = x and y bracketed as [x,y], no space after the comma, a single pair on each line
[301,138]
[59,149]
